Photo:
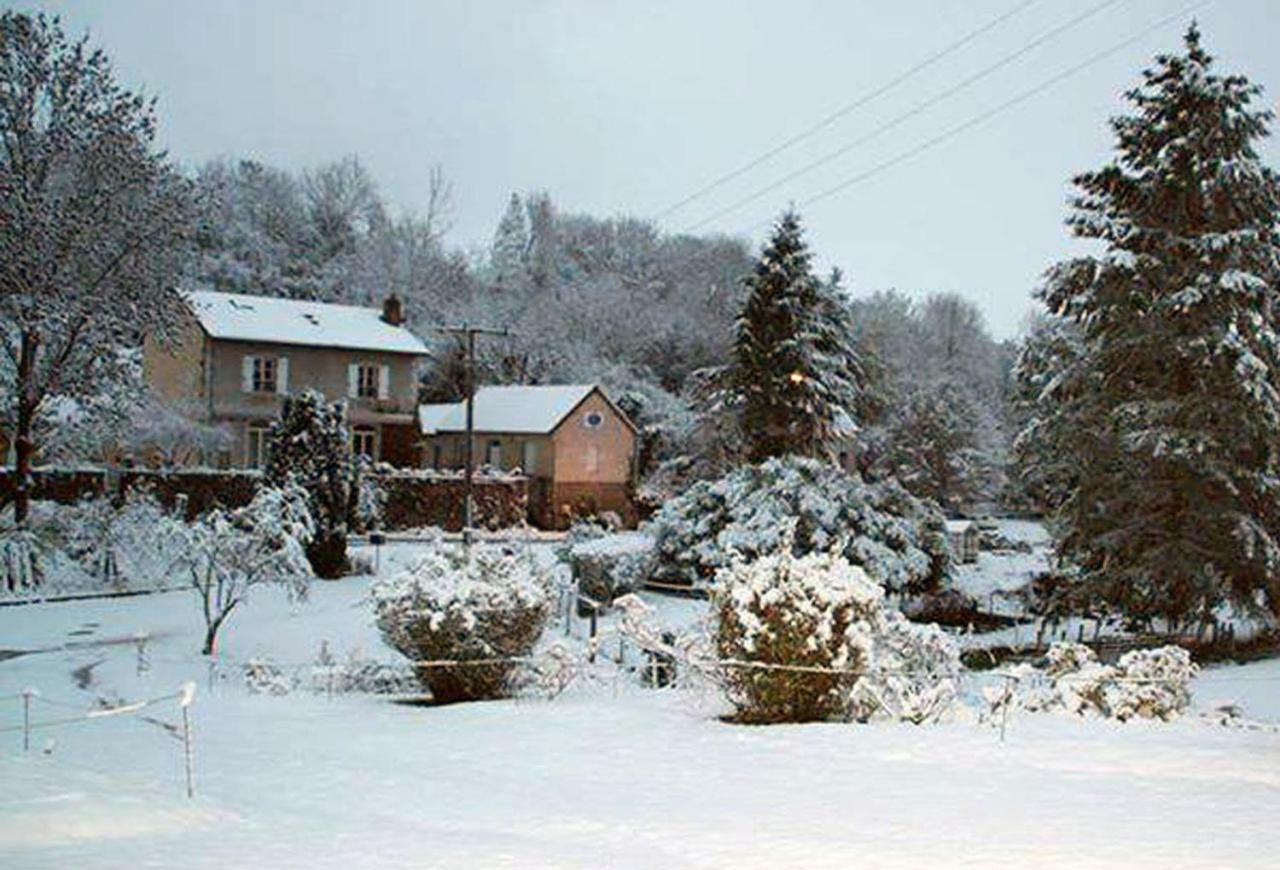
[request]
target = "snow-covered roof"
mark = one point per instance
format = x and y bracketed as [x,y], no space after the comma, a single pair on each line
[522,409]
[239,317]
[956,527]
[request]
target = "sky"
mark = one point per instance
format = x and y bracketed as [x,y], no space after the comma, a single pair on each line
[628,108]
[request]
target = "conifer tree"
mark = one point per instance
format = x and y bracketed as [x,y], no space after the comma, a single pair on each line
[1176,403]
[311,447]
[795,378]
[510,247]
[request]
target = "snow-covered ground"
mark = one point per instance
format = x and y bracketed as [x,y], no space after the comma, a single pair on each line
[605,775]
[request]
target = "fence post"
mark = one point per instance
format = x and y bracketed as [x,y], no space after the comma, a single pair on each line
[26,719]
[592,641]
[140,640]
[188,696]
[1004,711]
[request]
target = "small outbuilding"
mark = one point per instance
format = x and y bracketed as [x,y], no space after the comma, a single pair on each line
[962,540]
[575,445]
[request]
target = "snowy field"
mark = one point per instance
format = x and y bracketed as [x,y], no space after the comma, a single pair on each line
[608,774]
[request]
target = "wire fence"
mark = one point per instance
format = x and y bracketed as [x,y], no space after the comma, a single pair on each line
[184,696]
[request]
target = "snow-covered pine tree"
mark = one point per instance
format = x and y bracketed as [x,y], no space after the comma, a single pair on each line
[795,376]
[934,448]
[510,248]
[311,447]
[1177,503]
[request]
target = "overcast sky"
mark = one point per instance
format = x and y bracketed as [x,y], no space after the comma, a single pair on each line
[626,108]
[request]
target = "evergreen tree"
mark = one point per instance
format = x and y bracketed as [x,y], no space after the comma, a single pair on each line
[795,379]
[510,247]
[1176,503]
[934,448]
[311,447]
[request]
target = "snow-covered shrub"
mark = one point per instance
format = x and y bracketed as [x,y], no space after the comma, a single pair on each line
[606,566]
[914,672]
[360,674]
[484,610]
[263,677]
[20,551]
[813,505]
[794,634]
[1145,684]
[135,544]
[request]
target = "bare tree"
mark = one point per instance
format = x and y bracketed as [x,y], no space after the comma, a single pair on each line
[93,222]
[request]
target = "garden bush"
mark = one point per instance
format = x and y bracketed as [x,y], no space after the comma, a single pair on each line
[451,606]
[816,508]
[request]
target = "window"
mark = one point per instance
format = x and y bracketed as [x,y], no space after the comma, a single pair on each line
[530,459]
[368,382]
[258,448]
[493,456]
[264,374]
[364,441]
[593,420]
[593,459]
[437,456]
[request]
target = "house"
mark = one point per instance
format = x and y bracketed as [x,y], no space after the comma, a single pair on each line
[236,358]
[962,540]
[574,444]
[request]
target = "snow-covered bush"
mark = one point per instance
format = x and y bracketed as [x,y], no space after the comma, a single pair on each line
[484,610]
[606,566]
[914,672]
[817,507]
[793,635]
[803,638]
[134,544]
[360,674]
[264,677]
[1144,684]
[20,569]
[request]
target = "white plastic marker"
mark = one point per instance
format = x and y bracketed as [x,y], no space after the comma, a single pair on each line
[187,698]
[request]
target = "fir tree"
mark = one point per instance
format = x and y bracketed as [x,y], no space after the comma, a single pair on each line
[795,379]
[311,447]
[510,247]
[1176,502]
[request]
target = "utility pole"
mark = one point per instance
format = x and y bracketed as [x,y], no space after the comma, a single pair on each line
[468,515]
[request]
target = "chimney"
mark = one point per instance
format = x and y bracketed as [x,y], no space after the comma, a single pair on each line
[393,310]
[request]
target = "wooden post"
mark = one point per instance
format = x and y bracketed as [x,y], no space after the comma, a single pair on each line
[1004,712]
[26,720]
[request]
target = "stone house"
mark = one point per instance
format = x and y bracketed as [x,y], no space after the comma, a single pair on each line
[238,356]
[574,444]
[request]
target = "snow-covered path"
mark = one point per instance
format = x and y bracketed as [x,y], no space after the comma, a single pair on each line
[598,777]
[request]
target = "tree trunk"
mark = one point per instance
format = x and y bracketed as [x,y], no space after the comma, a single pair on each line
[24,443]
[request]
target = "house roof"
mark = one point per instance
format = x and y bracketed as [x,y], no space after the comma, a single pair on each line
[956,527]
[519,410]
[239,317]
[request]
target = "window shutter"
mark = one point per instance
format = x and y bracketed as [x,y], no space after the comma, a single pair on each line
[246,374]
[353,380]
[384,382]
[282,375]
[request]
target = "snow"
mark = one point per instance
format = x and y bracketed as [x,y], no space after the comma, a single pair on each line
[604,775]
[239,317]
[514,409]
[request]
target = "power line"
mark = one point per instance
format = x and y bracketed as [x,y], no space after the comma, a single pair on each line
[846,109]
[1002,107]
[906,116]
